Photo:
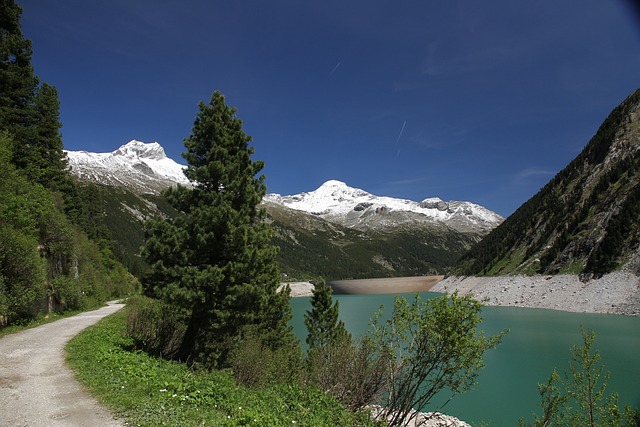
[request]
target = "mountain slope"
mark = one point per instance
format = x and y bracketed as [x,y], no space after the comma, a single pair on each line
[311,246]
[335,231]
[584,221]
[342,232]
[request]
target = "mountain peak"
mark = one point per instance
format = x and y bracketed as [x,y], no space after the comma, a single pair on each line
[142,167]
[334,183]
[139,149]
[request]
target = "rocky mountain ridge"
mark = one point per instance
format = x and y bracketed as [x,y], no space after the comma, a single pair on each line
[144,168]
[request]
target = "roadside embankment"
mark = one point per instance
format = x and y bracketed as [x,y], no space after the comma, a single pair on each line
[614,293]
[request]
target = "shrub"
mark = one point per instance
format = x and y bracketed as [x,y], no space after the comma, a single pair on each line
[580,397]
[430,346]
[155,327]
[255,363]
[68,292]
[350,371]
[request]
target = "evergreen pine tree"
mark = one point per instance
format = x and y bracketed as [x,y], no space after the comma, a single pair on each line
[216,260]
[18,82]
[28,111]
[322,321]
[46,161]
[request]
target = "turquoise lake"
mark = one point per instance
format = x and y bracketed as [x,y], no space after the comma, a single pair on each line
[538,342]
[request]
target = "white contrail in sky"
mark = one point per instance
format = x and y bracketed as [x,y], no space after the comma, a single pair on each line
[399,136]
[335,68]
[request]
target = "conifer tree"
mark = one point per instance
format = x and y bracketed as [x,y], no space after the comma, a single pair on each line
[44,159]
[322,321]
[28,111]
[216,260]
[17,80]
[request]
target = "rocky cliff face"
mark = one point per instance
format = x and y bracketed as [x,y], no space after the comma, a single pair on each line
[585,220]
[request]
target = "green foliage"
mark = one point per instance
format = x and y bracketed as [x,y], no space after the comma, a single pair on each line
[431,345]
[28,111]
[22,275]
[321,320]
[18,82]
[149,391]
[580,399]
[215,258]
[45,262]
[42,253]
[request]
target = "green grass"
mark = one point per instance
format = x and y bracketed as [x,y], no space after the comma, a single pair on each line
[147,391]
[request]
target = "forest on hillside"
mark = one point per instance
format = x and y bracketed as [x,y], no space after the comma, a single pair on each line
[584,221]
[54,251]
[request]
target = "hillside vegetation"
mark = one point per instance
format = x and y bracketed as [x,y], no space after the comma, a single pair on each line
[310,247]
[54,253]
[584,221]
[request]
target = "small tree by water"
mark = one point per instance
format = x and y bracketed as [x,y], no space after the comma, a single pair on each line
[431,346]
[321,320]
[579,398]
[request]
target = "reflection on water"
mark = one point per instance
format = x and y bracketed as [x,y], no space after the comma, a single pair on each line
[539,341]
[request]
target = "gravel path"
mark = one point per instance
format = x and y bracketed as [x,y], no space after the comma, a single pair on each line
[37,389]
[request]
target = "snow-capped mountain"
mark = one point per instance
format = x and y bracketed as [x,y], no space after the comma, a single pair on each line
[144,168]
[335,231]
[139,166]
[336,202]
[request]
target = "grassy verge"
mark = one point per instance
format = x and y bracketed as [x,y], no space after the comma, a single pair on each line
[147,391]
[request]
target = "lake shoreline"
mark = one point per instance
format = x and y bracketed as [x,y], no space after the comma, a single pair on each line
[614,293]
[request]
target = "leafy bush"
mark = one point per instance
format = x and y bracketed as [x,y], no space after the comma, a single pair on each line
[22,272]
[430,346]
[580,399]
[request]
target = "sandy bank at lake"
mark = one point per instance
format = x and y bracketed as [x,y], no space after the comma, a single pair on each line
[614,293]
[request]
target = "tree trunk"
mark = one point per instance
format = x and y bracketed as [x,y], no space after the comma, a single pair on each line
[185,352]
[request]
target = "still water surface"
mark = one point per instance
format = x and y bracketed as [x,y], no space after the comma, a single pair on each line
[538,342]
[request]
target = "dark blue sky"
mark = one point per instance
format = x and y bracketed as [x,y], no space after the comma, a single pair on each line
[464,100]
